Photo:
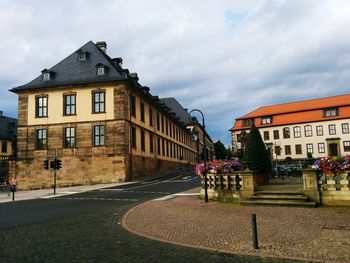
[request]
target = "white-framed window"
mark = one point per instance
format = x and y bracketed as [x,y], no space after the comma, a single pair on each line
[297,131]
[330,112]
[319,130]
[309,148]
[331,129]
[266,120]
[82,56]
[308,131]
[100,71]
[41,106]
[346,146]
[46,76]
[345,128]
[321,148]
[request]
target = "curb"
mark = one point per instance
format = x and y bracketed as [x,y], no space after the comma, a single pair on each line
[131,230]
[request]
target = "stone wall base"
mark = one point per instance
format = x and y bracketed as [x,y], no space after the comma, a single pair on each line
[76,170]
[335,198]
[145,166]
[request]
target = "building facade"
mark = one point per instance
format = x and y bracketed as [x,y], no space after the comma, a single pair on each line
[7,143]
[293,131]
[99,120]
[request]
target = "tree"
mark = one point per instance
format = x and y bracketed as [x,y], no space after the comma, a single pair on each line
[255,154]
[228,153]
[220,150]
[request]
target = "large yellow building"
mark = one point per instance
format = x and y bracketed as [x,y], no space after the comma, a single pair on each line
[99,120]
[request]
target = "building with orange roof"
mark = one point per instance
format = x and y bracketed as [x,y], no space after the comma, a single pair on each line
[292,130]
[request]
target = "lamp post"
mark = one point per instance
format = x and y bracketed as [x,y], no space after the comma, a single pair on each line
[205,156]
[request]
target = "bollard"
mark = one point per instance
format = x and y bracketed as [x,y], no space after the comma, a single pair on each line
[255,232]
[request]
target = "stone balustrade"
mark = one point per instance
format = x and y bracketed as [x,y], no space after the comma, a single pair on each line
[234,186]
[327,189]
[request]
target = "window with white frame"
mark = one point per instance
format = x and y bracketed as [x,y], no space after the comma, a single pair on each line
[321,148]
[345,128]
[331,129]
[308,131]
[46,76]
[266,120]
[319,130]
[346,146]
[309,148]
[297,131]
[100,71]
[41,106]
[330,112]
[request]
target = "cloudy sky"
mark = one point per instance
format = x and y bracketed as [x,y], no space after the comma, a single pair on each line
[224,57]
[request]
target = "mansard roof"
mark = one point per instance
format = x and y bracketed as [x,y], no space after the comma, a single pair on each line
[176,107]
[72,71]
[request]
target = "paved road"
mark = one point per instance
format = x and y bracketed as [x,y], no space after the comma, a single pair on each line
[87,228]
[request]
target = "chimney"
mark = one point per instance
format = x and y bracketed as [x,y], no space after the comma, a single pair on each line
[134,76]
[102,45]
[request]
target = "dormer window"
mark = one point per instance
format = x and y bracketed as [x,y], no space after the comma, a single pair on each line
[330,112]
[247,123]
[100,69]
[46,75]
[266,120]
[82,55]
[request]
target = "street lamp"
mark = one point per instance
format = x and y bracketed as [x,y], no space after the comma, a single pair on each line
[205,155]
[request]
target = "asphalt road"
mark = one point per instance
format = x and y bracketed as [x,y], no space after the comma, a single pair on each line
[87,227]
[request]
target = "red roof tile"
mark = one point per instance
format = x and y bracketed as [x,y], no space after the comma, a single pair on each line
[298,112]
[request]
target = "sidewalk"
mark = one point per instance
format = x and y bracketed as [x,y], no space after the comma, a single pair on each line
[309,234]
[47,193]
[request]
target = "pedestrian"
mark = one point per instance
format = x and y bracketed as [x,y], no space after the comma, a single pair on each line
[13,184]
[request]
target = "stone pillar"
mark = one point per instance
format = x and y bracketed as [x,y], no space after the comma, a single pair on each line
[310,185]
[248,183]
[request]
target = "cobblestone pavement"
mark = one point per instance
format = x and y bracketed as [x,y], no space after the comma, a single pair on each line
[97,237]
[314,234]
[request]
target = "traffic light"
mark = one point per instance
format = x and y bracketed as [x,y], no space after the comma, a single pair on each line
[58,164]
[52,164]
[46,164]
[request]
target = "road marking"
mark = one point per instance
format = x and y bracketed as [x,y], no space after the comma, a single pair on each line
[164,198]
[149,182]
[186,194]
[139,192]
[167,197]
[181,181]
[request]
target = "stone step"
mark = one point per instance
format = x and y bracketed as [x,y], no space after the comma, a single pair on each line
[279,197]
[278,193]
[279,203]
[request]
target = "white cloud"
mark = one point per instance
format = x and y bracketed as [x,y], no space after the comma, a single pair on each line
[224,57]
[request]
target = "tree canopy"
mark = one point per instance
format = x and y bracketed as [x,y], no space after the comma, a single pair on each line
[255,154]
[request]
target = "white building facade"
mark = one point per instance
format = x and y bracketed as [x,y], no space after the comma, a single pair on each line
[293,131]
